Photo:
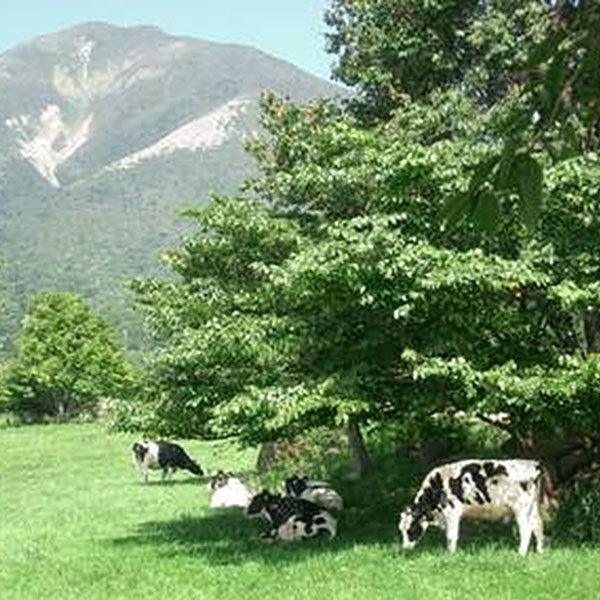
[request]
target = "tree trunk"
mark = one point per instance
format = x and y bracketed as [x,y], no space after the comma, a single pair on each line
[266,456]
[358,449]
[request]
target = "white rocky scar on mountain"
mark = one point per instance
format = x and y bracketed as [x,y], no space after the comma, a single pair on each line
[203,133]
[49,142]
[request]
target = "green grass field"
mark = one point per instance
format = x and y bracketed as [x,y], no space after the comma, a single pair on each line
[76,522]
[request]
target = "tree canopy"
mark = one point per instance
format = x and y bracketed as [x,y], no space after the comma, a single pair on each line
[67,360]
[347,282]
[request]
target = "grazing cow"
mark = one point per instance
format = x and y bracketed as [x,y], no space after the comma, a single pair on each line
[318,492]
[291,519]
[480,489]
[163,455]
[228,491]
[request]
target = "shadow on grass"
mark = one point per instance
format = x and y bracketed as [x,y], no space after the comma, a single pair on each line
[226,536]
[175,482]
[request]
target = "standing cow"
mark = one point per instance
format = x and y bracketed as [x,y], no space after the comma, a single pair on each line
[480,489]
[163,455]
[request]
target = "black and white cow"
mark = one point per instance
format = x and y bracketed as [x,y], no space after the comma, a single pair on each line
[480,489]
[228,491]
[163,455]
[318,492]
[291,519]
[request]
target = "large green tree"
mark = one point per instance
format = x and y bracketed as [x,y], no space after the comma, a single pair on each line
[67,360]
[343,295]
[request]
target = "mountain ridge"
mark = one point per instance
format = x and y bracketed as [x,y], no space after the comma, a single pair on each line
[107,130]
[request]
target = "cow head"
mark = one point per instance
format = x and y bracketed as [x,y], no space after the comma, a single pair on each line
[260,503]
[219,480]
[412,527]
[140,449]
[295,485]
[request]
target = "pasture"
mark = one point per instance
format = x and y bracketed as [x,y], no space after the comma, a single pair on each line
[76,522]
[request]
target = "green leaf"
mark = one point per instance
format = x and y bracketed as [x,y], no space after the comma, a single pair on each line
[545,49]
[483,172]
[553,84]
[487,210]
[527,176]
[455,209]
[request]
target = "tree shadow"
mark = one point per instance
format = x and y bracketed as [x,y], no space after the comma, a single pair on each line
[158,482]
[227,536]
[370,517]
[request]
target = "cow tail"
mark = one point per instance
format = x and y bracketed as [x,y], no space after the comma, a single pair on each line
[548,496]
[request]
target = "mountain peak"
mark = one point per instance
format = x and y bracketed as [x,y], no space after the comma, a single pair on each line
[106,131]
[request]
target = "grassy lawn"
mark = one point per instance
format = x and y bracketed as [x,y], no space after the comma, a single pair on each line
[76,522]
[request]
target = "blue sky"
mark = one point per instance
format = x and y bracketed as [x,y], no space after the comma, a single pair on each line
[289,29]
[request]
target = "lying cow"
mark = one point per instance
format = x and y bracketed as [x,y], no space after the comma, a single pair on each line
[163,455]
[319,492]
[291,519]
[480,489]
[228,491]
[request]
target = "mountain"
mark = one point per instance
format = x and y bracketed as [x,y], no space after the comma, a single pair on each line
[106,132]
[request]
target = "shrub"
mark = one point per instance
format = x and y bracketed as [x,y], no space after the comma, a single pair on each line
[578,518]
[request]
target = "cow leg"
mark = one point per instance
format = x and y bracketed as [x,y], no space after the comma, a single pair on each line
[524,522]
[144,470]
[452,530]
[538,532]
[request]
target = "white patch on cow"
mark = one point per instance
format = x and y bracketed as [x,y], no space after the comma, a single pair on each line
[290,531]
[323,496]
[48,143]
[203,133]
[295,530]
[149,460]
[233,493]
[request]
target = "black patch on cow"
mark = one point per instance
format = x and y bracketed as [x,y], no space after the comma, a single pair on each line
[474,469]
[294,485]
[261,502]
[456,488]
[415,531]
[281,510]
[493,470]
[524,485]
[139,450]
[172,455]
[432,497]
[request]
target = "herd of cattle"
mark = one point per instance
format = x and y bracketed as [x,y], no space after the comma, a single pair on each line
[497,490]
